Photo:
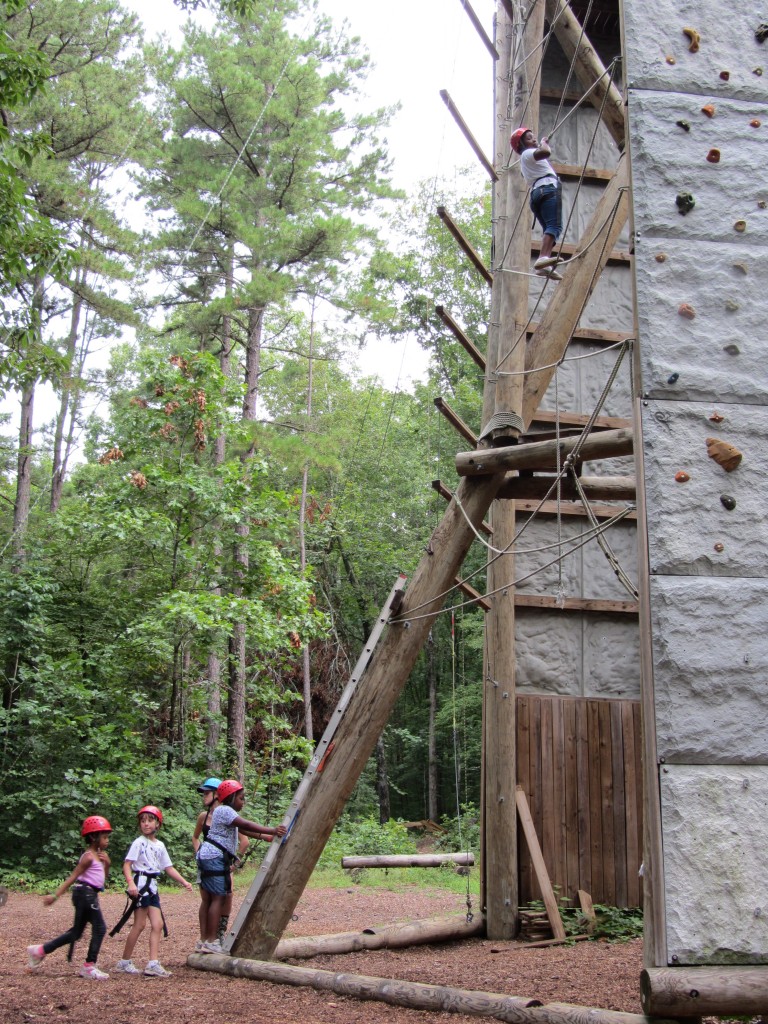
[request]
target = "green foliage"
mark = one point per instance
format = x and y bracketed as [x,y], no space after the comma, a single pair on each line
[462,833]
[617,924]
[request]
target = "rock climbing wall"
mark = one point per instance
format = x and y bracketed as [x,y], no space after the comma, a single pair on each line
[698,118]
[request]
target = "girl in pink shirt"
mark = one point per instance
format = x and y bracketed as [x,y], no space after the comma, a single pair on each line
[87,881]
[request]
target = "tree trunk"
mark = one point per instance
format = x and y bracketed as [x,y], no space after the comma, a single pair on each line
[382,781]
[22,503]
[307,680]
[59,458]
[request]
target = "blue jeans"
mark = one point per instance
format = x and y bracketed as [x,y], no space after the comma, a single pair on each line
[215,876]
[547,205]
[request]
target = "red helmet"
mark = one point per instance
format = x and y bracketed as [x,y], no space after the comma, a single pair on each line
[95,824]
[515,138]
[149,809]
[227,788]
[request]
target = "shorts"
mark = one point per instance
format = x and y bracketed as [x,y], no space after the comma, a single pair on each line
[547,206]
[218,884]
[149,899]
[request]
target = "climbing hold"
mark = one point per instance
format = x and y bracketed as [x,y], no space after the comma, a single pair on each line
[695,39]
[728,502]
[719,547]
[684,125]
[682,477]
[713,156]
[757,71]
[687,311]
[732,350]
[762,204]
[708,109]
[660,257]
[731,305]
[670,59]
[717,417]
[740,226]
[761,32]
[742,267]
[726,455]
[754,123]
[725,75]
[684,202]
[673,378]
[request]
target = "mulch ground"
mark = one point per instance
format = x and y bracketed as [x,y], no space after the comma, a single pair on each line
[596,974]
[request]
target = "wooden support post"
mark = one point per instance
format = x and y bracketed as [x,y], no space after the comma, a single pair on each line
[464,129]
[605,444]
[447,494]
[479,29]
[588,68]
[461,337]
[408,860]
[705,991]
[264,918]
[455,420]
[540,868]
[464,243]
[515,1009]
[550,339]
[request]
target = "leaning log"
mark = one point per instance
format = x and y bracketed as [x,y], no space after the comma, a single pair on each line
[408,860]
[515,1009]
[394,936]
[705,991]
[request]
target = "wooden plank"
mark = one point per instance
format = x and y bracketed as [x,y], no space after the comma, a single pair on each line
[588,910]
[619,805]
[548,832]
[574,172]
[615,258]
[478,26]
[637,720]
[466,132]
[571,803]
[595,802]
[605,758]
[548,896]
[631,783]
[570,508]
[471,349]
[464,244]
[580,419]
[536,779]
[559,869]
[455,420]
[582,785]
[593,335]
[474,595]
[575,604]
[524,779]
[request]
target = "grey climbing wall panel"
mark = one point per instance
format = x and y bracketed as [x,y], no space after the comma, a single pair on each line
[702,309]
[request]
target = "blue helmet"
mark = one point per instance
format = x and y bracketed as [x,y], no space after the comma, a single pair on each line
[209,786]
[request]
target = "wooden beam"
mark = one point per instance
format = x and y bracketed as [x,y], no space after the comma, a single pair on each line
[472,594]
[579,419]
[572,172]
[263,917]
[464,243]
[528,491]
[461,337]
[455,420]
[408,860]
[550,339]
[575,604]
[588,68]
[591,334]
[705,991]
[515,1009]
[447,493]
[465,131]
[479,29]
[394,936]
[540,868]
[607,444]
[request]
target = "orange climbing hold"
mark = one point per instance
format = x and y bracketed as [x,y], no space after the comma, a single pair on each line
[682,477]
[687,311]
[754,123]
[725,454]
[716,417]
[708,109]
[713,156]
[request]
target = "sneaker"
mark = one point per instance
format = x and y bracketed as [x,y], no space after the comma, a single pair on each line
[126,967]
[551,274]
[199,945]
[546,261]
[92,971]
[35,955]
[155,969]
[212,946]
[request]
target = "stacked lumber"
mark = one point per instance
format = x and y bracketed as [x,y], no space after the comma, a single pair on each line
[534,926]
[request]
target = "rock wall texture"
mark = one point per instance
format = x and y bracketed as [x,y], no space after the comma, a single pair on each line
[698,117]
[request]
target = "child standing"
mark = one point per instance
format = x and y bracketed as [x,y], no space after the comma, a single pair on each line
[546,196]
[87,881]
[202,828]
[215,857]
[145,861]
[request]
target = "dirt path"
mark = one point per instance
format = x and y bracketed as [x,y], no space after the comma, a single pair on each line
[589,973]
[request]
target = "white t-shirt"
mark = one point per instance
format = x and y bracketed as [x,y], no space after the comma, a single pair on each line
[223,831]
[533,169]
[148,856]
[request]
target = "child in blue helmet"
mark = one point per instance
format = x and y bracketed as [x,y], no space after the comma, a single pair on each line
[202,826]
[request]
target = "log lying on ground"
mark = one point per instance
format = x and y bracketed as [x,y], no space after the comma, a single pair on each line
[393,936]
[408,860]
[515,1009]
[705,991]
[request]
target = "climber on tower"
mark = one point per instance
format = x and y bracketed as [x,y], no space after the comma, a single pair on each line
[546,196]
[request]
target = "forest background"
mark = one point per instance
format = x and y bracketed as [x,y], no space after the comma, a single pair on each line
[190,571]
